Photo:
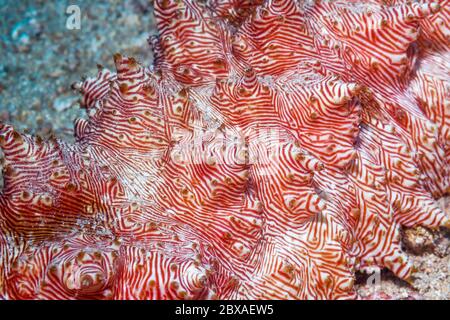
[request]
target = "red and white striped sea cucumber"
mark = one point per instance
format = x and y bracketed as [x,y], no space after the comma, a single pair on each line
[273,149]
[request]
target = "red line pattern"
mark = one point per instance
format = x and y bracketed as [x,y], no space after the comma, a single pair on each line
[274,148]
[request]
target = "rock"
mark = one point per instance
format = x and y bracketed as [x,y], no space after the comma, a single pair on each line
[418,240]
[63,103]
[56,73]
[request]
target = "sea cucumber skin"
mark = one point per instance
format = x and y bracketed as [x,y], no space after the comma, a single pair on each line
[271,150]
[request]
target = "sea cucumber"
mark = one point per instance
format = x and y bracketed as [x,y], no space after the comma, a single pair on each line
[272,149]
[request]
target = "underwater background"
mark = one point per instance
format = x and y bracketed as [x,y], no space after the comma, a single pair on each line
[41,57]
